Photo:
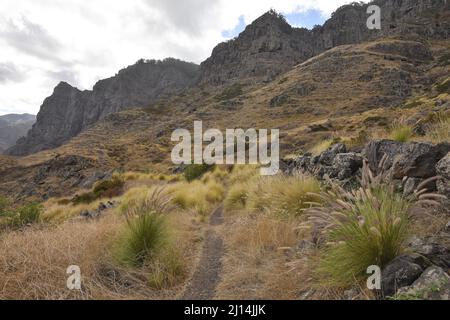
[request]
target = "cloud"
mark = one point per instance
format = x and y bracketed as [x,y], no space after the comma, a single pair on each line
[81,42]
[10,73]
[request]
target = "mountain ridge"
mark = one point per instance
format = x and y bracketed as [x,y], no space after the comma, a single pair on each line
[266,48]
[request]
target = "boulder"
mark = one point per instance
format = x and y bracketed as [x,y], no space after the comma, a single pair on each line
[433,284]
[402,272]
[417,160]
[434,249]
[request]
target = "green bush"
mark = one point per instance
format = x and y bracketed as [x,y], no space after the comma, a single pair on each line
[196,171]
[143,238]
[103,189]
[24,215]
[361,228]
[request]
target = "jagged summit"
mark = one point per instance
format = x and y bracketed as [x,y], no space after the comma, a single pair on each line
[68,111]
[270,46]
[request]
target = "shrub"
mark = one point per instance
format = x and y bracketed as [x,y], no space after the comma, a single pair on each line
[24,215]
[282,195]
[109,188]
[103,189]
[363,227]
[196,171]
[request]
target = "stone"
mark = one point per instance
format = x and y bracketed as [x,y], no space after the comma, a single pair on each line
[433,284]
[434,250]
[417,160]
[327,157]
[443,170]
[401,272]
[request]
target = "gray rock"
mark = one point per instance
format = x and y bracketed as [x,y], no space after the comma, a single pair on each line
[68,111]
[443,170]
[402,272]
[416,160]
[270,46]
[433,284]
[433,249]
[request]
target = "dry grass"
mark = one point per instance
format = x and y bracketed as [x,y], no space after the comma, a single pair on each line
[33,262]
[254,265]
[197,195]
[282,196]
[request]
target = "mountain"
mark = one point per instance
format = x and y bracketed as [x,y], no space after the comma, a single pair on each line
[265,49]
[68,111]
[270,46]
[13,127]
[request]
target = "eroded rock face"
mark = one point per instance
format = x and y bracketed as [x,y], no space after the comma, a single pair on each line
[270,46]
[68,111]
[417,160]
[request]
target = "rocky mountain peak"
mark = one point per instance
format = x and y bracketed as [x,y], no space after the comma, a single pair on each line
[270,46]
[68,111]
[271,21]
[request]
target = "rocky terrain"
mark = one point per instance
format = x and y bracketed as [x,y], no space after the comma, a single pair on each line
[270,46]
[265,49]
[68,111]
[13,127]
[342,96]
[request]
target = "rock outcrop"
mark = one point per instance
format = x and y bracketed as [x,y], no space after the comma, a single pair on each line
[68,111]
[270,46]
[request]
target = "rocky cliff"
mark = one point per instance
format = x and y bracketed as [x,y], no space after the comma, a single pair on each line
[68,111]
[12,127]
[270,46]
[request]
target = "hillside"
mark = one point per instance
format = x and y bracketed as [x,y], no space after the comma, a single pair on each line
[364,121]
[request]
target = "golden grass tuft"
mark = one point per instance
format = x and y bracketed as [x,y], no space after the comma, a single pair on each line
[282,195]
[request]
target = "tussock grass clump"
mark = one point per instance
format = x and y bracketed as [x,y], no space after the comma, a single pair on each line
[363,227]
[237,196]
[401,132]
[146,240]
[283,195]
[322,146]
[197,195]
[439,131]
[143,238]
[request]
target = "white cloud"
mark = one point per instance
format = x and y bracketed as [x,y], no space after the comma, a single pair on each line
[45,41]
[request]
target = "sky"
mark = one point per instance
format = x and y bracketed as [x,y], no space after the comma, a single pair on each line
[43,42]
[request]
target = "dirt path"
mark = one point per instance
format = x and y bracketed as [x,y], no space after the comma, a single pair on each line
[207,275]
